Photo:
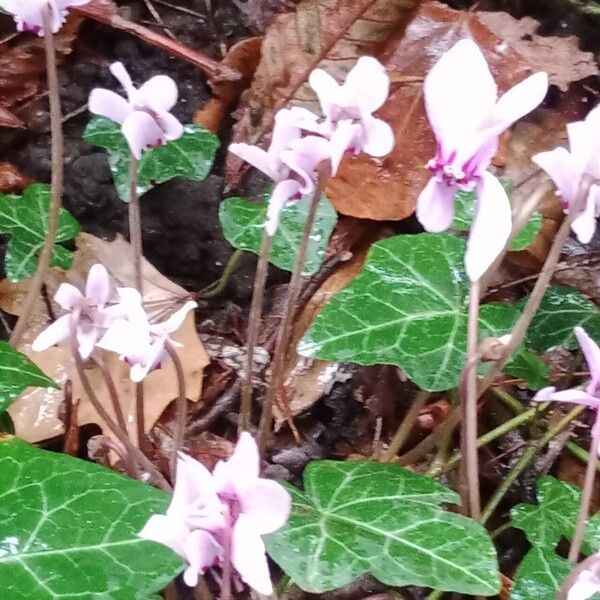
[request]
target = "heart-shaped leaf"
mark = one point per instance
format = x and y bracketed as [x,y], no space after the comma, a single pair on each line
[359,517]
[561,310]
[539,575]
[25,219]
[68,529]
[243,226]
[17,373]
[191,156]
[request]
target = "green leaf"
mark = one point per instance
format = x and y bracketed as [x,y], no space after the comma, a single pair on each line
[243,226]
[561,310]
[359,517]
[25,219]
[191,156]
[17,373]
[463,218]
[540,575]
[69,530]
[530,367]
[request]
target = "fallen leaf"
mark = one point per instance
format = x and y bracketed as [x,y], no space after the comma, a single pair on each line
[258,14]
[7,119]
[11,180]
[560,57]
[35,413]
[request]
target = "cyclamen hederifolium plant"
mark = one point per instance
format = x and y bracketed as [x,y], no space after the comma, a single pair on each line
[73,529]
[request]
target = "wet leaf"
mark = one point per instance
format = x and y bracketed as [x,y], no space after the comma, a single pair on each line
[539,575]
[561,310]
[359,517]
[191,156]
[69,529]
[530,367]
[25,219]
[18,373]
[243,225]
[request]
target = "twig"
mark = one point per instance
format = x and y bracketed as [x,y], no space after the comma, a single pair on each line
[222,405]
[156,16]
[181,412]
[285,328]
[406,425]
[217,287]
[254,321]
[56,183]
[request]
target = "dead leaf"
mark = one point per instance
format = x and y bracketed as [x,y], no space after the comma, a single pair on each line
[319,33]
[560,57]
[7,119]
[35,413]
[11,180]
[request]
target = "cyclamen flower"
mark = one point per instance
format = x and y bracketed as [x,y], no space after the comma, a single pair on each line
[87,314]
[227,511]
[144,117]
[348,110]
[141,344]
[567,167]
[467,119]
[290,162]
[586,585]
[29,14]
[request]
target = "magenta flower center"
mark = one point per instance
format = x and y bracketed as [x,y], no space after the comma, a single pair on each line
[35,29]
[447,171]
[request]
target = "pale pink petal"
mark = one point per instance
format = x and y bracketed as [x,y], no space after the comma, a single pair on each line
[591,351]
[56,332]
[87,336]
[561,167]
[266,504]
[519,101]
[585,586]
[343,139]
[146,360]
[122,338]
[68,296]
[379,137]
[304,119]
[281,194]
[170,125]
[166,530]
[64,4]
[256,157]
[108,104]
[201,552]
[123,77]
[492,225]
[545,394]
[175,321]
[97,287]
[327,89]
[459,93]
[241,468]
[304,156]
[142,132]
[285,130]
[435,206]
[368,83]
[29,16]
[584,224]
[575,397]
[159,91]
[249,558]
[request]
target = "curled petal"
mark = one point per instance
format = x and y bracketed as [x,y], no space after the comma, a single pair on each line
[142,132]
[491,227]
[285,130]
[326,88]
[159,91]
[304,156]
[86,338]
[343,138]
[545,394]
[175,321]
[201,552]
[281,194]
[122,338]
[241,467]
[56,332]
[562,169]
[120,73]
[586,585]
[68,296]
[168,531]
[435,206]
[379,137]
[266,504]
[575,397]
[170,125]
[145,360]
[248,556]
[591,351]
[108,104]
[257,157]
[97,287]
[584,225]
[368,82]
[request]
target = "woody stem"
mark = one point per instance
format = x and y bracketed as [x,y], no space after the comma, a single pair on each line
[181,410]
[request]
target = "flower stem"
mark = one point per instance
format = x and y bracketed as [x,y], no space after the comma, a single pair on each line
[218,286]
[254,321]
[469,486]
[285,329]
[226,568]
[56,184]
[586,495]
[535,299]
[181,412]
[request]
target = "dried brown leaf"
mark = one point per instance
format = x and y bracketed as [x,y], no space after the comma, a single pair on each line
[11,180]
[560,57]
[35,413]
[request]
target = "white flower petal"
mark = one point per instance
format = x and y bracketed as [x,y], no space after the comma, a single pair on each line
[435,206]
[561,167]
[266,504]
[56,332]
[142,132]
[97,287]
[68,296]
[160,91]
[108,104]
[368,82]
[281,194]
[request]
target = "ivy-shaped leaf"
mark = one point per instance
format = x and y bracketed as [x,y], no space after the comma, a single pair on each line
[540,575]
[191,156]
[17,373]
[464,208]
[243,225]
[359,517]
[68,529]
[25,219]
[561,310]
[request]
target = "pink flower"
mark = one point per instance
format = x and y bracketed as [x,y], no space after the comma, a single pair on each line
[467,119]
[566,168]
[586,585]
[142,344]
[591,395]
[348,110]
[86,313]
[144,117]
[290,162]
[226,513]
[29,14]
